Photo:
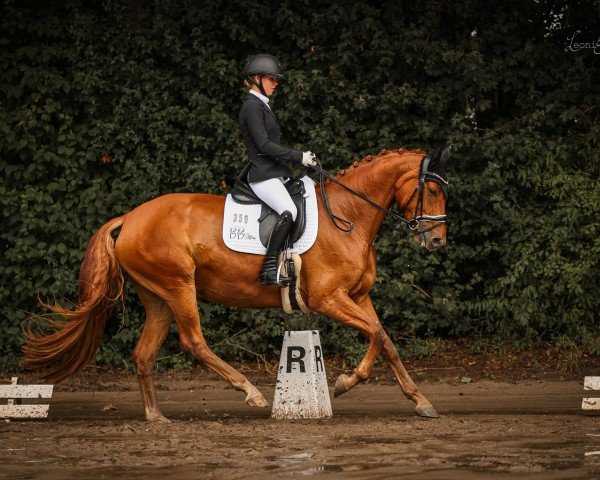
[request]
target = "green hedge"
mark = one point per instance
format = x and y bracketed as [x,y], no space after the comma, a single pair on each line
[105,105]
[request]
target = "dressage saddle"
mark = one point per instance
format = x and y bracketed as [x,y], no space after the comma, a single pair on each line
[242,193]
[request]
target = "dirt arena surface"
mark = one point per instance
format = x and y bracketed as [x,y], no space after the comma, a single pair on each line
[531,428]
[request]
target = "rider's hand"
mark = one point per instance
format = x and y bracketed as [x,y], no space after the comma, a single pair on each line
[309,158]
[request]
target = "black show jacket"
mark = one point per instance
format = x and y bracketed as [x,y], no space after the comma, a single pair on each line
[260,132]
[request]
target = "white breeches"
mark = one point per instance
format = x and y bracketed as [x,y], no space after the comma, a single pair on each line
[274,194]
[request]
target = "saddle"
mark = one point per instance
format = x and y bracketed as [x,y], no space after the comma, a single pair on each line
[243,194]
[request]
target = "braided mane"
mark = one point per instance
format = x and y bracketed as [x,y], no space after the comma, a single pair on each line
[383,152]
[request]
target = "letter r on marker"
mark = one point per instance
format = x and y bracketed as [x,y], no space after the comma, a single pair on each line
[291,358]
[318,359]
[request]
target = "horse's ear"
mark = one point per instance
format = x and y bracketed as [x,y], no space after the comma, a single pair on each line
[438,161]
[435,158]
[445,155]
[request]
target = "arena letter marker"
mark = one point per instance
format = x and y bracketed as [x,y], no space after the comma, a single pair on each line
[301,390]
[16,392]
[591,383]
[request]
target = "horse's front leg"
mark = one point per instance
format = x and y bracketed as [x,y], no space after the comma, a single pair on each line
[342,308]
[408,386]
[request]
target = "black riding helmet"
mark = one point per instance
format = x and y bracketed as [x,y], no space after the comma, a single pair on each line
[263,64]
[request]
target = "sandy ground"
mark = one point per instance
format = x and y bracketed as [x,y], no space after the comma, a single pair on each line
[487,429]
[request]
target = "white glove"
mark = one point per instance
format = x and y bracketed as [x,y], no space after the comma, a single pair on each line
[309,158]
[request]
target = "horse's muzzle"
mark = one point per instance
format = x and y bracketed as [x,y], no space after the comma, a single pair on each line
[430,240]
[437,241]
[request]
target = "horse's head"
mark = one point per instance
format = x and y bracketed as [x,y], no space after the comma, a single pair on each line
[425,208]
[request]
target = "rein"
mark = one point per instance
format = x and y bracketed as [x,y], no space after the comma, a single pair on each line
[413,224]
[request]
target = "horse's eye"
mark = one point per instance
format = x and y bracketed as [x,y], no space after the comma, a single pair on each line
[433,192]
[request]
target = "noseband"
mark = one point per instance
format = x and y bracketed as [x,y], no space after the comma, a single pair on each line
[425,175]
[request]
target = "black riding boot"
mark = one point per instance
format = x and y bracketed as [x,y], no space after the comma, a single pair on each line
[268,274]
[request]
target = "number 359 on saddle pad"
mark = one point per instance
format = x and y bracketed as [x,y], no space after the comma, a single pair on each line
[243,232]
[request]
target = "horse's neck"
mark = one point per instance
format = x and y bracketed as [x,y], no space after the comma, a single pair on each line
[377,181]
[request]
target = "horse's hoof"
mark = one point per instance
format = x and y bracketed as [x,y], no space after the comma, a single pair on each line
[157,417]
[427,412]
[341,385]
[257,400]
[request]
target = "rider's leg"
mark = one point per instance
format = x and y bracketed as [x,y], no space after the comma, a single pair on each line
[274,194]
[281,230]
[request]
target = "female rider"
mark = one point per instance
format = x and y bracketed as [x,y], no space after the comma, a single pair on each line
[267,171]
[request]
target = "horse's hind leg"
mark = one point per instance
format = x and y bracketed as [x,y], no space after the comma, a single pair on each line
[158,319]
[184,306]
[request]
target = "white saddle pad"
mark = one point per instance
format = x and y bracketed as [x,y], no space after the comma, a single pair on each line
[240,224]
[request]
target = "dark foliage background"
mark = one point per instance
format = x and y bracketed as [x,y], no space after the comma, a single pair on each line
[105,105]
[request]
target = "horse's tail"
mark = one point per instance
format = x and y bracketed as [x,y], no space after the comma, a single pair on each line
[74,339]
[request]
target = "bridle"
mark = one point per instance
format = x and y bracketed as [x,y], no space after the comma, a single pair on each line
[425,175]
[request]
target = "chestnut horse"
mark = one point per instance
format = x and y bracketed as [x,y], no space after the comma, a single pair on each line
[172,250]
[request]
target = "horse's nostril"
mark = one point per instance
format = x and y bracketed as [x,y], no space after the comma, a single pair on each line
[436,241]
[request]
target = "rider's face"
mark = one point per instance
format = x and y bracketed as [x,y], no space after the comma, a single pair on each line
[269,83]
